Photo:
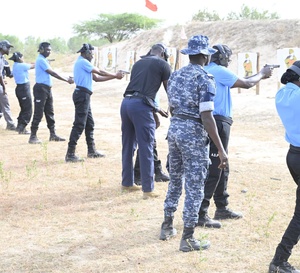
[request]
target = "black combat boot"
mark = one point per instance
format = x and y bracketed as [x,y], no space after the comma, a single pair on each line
[33,138]
[205,221]
[160,176]
[281,265]
[93,153]
[226,213]
[137,178]
[167,230]
[55,137]
[71,156]
[189,243]
[22,130]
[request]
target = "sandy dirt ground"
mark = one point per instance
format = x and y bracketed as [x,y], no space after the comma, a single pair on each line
[59,217]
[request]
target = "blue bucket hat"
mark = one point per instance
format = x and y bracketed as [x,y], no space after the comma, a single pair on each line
[198,44]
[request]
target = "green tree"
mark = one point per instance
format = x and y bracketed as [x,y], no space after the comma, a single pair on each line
[76,42]
[15,41]
[30,48]
[59,45]
[205,15]
[115,27]
[251,14]
[245,13]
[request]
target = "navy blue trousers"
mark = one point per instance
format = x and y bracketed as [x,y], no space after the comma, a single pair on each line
[138,128]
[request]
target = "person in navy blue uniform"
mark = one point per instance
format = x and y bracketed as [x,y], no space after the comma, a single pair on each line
[287,101]
[191,92]
[23,93]
[84,75]
[42,93]
[138,123]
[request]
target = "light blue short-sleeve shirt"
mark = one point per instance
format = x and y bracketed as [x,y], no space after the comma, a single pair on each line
[20,72]
[225,79]
[82,73]
[287,101]
[41,76]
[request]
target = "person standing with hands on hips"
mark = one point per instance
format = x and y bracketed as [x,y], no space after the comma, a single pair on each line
[138,122]
[42,93]
[191,92]
[217,180]
[23,93]
[287,101]
[84,75]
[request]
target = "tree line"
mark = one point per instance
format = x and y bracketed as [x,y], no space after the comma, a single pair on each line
[110,28]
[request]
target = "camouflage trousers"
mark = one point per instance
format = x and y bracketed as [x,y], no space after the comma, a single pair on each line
[188,166]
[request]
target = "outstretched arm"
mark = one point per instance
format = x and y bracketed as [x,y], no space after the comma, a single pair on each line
[59,77]
[101,75]
[264,73]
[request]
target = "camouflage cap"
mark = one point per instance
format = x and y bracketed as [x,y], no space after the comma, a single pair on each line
[198,44]
[5,43]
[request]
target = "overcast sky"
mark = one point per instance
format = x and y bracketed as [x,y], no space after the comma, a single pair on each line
[55,18]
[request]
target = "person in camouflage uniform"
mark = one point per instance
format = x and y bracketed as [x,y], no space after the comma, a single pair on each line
[5,47]
[190,94]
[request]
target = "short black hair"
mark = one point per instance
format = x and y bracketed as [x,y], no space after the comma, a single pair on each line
[43,45]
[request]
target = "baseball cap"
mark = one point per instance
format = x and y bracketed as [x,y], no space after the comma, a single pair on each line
[5,43]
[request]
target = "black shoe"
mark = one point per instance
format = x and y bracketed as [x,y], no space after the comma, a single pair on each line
[284,267]
[56,138]
[167,230]
[71,157]
[95,154]
[226,213]
[137,181]
[192,244]
[206,221]
[11,127]
[34,140]
[162,177]
[24,132]
[159,175]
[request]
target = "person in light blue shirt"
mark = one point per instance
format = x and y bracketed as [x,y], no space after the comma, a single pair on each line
[217,180]
[287,102]
[23,93]
[84,75]
[42,93]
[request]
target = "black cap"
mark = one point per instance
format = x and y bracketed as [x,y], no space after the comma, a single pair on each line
[5,43]
[16,56]
[85,47]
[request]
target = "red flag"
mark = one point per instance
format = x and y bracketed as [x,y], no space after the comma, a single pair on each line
[151,6]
